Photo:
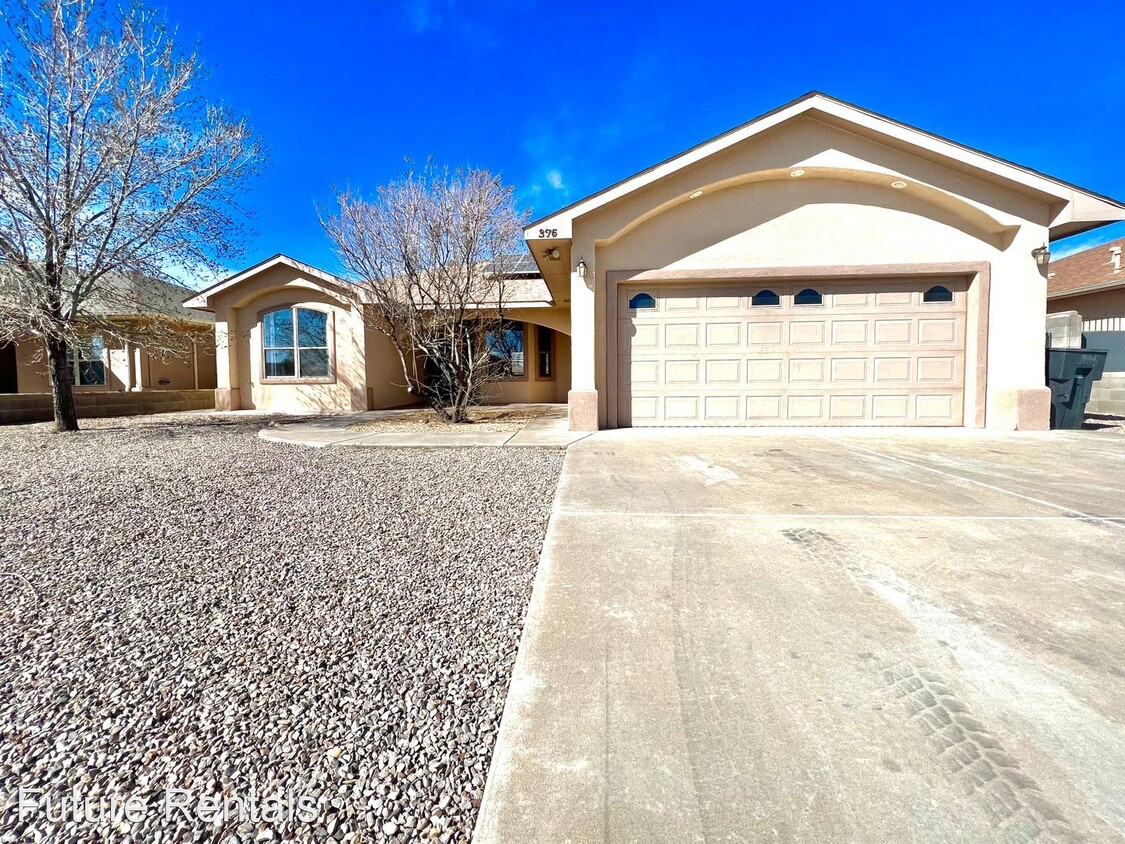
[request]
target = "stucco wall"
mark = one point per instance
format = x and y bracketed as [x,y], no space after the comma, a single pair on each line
[833,219]
[386,383]
[346,387]
[238,347]
[127,367]
[205,362]
[532,388]
[31,368]
[168,372]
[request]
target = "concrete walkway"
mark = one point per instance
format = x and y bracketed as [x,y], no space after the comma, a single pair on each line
[823,637]
[547,430]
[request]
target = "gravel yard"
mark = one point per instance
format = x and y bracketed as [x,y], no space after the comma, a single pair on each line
[191,614]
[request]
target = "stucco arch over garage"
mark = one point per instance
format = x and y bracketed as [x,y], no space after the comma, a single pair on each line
[803,222]
[749,199]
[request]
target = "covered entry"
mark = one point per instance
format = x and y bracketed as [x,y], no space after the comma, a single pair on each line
[878,351]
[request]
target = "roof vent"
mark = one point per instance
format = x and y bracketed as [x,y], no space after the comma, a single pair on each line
[1115,258]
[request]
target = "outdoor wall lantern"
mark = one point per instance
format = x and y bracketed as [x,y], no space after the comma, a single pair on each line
[582,269]
[1042,255]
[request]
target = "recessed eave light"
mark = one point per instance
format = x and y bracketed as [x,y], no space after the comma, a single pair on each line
[898,184]
[796,173]
[696,194]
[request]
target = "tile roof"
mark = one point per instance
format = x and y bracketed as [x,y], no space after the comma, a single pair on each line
[1090,269]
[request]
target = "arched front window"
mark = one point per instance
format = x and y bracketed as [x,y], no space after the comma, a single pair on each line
[938,293]
[641,301]
[764,297]
[808,296]
[295,343]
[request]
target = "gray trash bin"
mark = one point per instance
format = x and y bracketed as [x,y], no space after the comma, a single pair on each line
[1071,374]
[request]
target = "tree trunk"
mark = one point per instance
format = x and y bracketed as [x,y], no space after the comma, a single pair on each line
[62,394]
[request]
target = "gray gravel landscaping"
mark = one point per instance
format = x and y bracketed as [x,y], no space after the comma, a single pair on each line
[193,614]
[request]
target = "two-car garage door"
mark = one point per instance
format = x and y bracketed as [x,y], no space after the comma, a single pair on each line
[873,352]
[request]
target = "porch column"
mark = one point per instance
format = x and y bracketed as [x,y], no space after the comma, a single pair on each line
[130,367]
[583,396]
[140,374]
[226,360]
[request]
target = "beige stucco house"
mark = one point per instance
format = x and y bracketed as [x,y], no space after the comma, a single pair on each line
[819,265]
[289,337]
[112,375]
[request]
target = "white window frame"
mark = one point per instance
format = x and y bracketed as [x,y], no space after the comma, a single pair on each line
[296,377]
[79,354]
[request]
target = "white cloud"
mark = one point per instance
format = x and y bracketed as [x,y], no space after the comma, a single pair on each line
[422,14]
[555,180]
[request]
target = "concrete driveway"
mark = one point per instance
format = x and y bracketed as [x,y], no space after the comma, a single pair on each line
[823,637]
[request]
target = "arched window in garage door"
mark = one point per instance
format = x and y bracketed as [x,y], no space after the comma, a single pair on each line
[763,298]
[642,301]
[808,296]
[938,293]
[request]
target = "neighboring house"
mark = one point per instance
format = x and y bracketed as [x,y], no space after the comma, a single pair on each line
[1092,282]
[819,265]
[104,367]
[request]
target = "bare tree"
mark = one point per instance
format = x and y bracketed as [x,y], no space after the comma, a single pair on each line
[431,255]
[112,165]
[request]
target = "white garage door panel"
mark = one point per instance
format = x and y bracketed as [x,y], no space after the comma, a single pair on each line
[873,353]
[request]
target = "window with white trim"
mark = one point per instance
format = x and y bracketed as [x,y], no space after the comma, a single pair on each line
[86,361]
[295,343]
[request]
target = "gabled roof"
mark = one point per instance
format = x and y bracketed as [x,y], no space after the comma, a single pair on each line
[1086,271]
[202,299]
[524,288]
[1083,209]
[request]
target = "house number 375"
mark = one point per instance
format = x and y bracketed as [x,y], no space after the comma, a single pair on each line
[548,232]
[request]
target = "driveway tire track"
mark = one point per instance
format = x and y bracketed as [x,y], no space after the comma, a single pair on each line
[970,754]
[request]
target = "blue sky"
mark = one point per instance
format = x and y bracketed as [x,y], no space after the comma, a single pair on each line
[564,98]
